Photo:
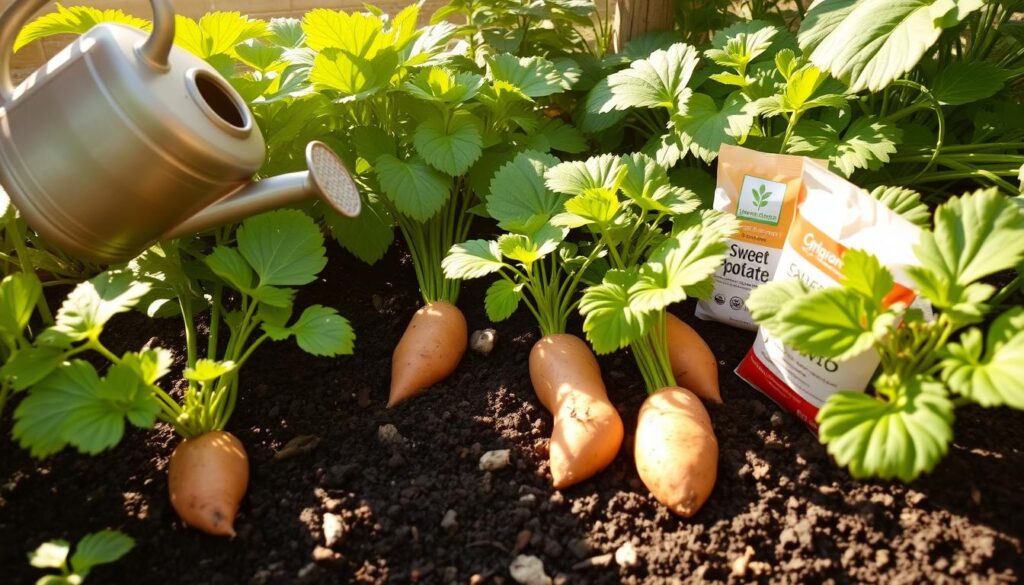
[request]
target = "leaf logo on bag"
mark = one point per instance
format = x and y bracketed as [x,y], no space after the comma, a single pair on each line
[761,200]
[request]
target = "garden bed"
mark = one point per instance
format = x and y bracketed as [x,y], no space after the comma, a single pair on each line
[779,503]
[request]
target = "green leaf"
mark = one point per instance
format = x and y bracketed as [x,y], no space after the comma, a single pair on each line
[821,19]
[905,202]
[437,84]
[686,260]
[19,293]
[50,555]
[963,82]
[835,323]
[766,302]
[997,378]
[742,48]
[286,32]
[416,189]
[533,77]
[659,81]
[901,438]
[100,548]
[451,146]
[594,205]
[863,273]
[28,366]
[866,144]
[597,113]
[284,247]
[975,236]
[207,370]
[75,20]
[353,76]
[358,34]
[554,134]
[705,127]
[472,259]
[879,41]
[605,172]
[259,55]
[527,249]
[519,199]
[216,33]
[610,321]
[88,308]
[74,406]
[371,143]
[502,299]
[150,364]
[319,331]
[368,235]
[229,264]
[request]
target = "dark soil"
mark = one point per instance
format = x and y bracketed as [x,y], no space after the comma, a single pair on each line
[781,511]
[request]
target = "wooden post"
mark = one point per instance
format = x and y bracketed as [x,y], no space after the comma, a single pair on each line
[635,17]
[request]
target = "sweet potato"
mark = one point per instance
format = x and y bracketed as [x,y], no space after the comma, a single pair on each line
[676,450]
[587,430]
[429,351]
[207,478]
[693,363]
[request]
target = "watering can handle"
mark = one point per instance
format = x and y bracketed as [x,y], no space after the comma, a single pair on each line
[154,52]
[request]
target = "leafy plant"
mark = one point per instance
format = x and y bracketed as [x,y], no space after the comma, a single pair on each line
[928,367]
[98,548]
[68,402]
[535,264]
[659,252]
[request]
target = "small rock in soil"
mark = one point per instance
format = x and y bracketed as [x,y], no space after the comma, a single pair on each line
[598,561]
[529,570]
[776,420]
[324,555]
[742,562]
[626,556]
[363,397]
[495,460]
[522,541]
[580,548]
[551,548]
[298,446]
[333,528]
[450,522]
[388,435]
[482,341]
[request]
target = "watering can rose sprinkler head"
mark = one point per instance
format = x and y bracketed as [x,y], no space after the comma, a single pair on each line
[123,139]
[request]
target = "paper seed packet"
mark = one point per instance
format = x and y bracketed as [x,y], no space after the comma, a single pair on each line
[763,191]
[833,216]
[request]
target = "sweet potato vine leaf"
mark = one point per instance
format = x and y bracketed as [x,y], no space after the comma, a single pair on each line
[284,247]
[873,42]
[73,20]
[18,295]
[88,308]
[99,548]
[473,259]
[74,406]
[451,145]
[705,127]
[319,331]
[905,202]
[519,200]
[990,374]
[610,320]
[898,438]
[502,299]
[532,77]
[416,189]
[975,236]
[659,81]
[866,144]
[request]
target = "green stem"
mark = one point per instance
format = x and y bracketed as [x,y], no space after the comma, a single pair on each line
[5,390]
[18,238]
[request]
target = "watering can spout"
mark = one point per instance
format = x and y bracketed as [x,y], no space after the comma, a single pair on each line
[326,179]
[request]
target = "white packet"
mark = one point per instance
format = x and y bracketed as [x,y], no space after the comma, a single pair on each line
[834,216]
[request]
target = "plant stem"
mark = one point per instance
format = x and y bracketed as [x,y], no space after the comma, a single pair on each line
[18,238]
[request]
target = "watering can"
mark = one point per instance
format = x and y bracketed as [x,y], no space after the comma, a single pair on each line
[123,139]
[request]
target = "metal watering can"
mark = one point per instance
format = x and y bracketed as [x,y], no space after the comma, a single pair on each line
[123,139]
